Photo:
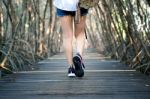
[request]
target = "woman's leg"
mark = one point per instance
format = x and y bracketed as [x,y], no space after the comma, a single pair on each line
[67,28]
[80,39]
[80,35]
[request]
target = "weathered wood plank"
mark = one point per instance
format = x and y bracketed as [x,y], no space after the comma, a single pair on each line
[105,79]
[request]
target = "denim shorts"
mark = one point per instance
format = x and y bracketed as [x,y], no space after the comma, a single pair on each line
[61,13]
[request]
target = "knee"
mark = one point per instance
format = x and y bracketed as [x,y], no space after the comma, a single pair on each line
[68,37]
[77,34]
[79,31]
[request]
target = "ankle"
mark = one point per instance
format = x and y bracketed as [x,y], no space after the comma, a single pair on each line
[70,66]
[79,55]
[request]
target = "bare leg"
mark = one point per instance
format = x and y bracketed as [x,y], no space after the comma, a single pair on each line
[80,35]
[67,28]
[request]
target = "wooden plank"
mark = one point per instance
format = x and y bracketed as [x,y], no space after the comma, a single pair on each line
[104,79]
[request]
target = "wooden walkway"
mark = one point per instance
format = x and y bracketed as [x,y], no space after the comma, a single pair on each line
[104,79]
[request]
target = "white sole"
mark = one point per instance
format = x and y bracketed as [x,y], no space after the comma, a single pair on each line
[71,75]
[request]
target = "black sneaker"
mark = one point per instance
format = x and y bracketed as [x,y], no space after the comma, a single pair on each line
[79,66]
[71,72]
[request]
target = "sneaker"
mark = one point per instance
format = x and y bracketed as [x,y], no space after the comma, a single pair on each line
[71,72]
[79,66]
